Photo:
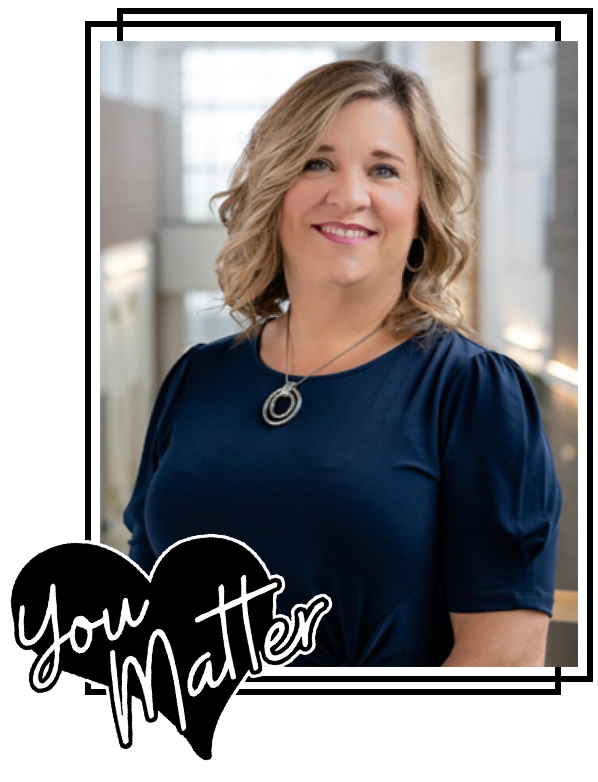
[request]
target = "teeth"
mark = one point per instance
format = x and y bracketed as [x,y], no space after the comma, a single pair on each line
[328,229]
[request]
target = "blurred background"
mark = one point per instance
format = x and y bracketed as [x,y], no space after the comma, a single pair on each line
[174,118]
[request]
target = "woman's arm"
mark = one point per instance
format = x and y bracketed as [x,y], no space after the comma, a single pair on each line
[492,639]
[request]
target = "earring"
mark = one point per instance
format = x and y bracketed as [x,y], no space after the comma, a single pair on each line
[415,269]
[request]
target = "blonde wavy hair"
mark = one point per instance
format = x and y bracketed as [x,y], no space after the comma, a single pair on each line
[250,265]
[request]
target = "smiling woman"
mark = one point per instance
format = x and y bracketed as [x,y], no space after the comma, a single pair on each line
[348,118]
[351,182]
[354,434]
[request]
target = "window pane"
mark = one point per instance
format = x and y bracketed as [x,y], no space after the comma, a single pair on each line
[286,66]
[242,76]
[198,188]
[216,136]
[223,76]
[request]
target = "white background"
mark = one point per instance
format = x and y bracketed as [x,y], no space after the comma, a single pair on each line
[63,733]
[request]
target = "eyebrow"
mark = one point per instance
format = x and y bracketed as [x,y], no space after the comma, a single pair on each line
[379,153]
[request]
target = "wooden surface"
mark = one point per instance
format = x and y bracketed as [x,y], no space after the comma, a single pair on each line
[565,606]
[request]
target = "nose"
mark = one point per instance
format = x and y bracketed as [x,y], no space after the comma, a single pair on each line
[348,192]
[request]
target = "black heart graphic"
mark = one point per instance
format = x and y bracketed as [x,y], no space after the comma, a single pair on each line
[92,581]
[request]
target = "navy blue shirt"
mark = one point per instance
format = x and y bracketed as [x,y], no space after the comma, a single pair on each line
[411,486]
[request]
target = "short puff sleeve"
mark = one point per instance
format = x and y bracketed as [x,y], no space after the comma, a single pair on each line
[500,499]
[140,550]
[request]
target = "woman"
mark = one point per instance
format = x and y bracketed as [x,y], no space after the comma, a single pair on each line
[360,442]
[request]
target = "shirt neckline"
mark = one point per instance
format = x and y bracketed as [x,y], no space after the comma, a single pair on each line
[255,343]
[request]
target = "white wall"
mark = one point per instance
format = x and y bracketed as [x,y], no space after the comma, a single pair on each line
[191,250]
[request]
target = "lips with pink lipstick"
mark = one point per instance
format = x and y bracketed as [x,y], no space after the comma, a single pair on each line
[341,233]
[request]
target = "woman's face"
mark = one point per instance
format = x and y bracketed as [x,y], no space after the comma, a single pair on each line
[349,181]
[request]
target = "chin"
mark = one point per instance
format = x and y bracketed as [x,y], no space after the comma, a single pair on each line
[351,274]
[345,282]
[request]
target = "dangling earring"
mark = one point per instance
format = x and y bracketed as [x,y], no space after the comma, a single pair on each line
[415,269]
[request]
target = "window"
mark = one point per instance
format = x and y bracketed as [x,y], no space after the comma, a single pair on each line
[225,88]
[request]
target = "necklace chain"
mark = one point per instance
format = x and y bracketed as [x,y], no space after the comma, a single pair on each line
[313,372]
[289,391]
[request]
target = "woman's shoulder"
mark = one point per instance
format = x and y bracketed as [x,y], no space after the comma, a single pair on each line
[187,360]
[460,354]
[188,371]
[456,345]
[483,381]
[217,348]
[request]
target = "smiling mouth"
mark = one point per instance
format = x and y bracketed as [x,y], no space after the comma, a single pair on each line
[344,239]
[353,230]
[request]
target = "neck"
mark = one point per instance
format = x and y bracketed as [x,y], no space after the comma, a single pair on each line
[333,324]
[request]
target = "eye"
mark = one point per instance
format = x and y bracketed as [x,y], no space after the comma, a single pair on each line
[388,168]
[309,166]
[312,162]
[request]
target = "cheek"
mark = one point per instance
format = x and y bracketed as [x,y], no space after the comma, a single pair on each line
[295,202]
[401,209]
[295,214]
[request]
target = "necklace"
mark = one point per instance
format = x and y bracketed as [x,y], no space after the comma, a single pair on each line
[290,391]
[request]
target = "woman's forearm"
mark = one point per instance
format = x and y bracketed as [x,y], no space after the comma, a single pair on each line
[466,658]
[463,658]
[499,639]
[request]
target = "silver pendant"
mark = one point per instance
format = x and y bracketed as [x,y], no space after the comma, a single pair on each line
[269,413]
